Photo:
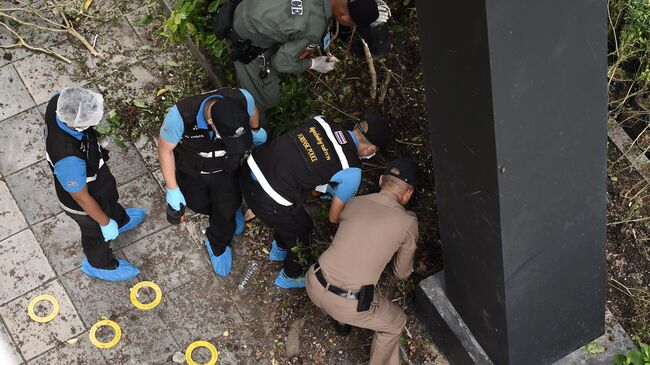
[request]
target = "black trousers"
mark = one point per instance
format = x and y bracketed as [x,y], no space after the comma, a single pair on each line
[97,251]
[218,196]
[291,225]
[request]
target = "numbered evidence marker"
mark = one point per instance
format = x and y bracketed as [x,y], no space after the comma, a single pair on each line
[40,298]
[109,344]
[145,284]
[213,351]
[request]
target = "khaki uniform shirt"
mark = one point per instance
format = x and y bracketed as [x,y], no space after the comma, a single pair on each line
[372,229]
[293,25]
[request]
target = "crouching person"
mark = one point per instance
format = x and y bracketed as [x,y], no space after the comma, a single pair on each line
[203,141]
[373,228]
[85,187]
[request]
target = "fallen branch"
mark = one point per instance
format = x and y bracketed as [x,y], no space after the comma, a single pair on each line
[373,72]
[384,85]
[22,44]
[629,221]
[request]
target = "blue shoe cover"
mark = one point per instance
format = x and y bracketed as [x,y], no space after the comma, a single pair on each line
[124,271]
[286,282]
[136,216]
[277,254]
[239,222]
[221,264]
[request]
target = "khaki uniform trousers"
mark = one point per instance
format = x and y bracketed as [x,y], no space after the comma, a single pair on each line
[387,319]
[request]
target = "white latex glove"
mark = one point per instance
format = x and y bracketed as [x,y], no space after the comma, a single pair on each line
[384,13]
[323,64]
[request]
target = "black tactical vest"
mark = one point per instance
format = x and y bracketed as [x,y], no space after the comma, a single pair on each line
[59,144]
[197,153]
[303,158]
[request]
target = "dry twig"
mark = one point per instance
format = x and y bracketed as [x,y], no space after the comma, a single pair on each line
[384,85]
[373,72]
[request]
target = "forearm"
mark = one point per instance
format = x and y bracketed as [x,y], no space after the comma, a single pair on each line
[90,206]
[254,120]
[168,167]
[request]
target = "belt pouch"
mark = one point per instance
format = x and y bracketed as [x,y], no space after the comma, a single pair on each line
[366,295]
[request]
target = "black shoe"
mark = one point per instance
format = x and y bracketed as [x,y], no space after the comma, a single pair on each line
[342,329]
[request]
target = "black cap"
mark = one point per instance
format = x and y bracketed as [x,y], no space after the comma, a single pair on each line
[408,170]
[363,12]
[378,132]
[231,120]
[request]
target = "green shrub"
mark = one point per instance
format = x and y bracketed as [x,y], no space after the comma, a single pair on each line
[636,357]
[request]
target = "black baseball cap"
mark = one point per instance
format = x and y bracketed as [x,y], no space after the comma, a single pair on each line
[230,118]
[378,132]
[363,12]
[408,170]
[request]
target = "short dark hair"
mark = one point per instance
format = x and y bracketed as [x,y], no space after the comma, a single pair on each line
[392,182]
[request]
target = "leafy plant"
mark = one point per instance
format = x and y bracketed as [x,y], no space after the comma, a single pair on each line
[636,357]
[193,18]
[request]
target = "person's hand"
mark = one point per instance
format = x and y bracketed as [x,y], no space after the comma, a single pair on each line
[259,137]
[175,198]
[384,13]
[110,231]
[323,64]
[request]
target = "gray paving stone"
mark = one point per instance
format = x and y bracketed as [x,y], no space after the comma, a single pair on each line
[12,219]
[60,239]
[18,99]
[143,192]
[96,298]
[145,340]
[33,189]
[22,141]
[118,45]
[45,75]
[148,33]
[125,162]
[147,146]
[33,338]
[82,352]
[11,350]
[23,266]
[138,80]
[168,259]
[201,310]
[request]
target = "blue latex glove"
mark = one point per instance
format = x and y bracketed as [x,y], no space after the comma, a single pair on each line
[175,198]
[259,137]
[329,193]
[110,231]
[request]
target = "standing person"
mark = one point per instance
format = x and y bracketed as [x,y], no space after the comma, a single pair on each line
[373,229]
[202,142]
[279,175]
[85,187]
[270,37]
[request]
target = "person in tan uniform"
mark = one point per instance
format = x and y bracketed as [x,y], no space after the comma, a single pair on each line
[373,229]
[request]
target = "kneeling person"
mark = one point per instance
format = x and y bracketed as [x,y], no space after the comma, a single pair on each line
[279,175]
[202,143]
[85,187]
[373,228]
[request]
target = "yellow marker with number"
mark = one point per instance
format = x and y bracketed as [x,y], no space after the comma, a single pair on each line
[40,298]
[145,284]
[213,351]
[109,344]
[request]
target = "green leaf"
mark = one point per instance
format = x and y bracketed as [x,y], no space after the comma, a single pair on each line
[172,63]
[139,103]
[191,29]
[144,21]
[213,6]
[594,347]
[397,28]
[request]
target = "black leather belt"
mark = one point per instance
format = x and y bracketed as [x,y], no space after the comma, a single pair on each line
[331,288]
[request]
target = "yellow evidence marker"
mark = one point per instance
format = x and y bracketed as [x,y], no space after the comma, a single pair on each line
[40,298]
[145,284]
[207,345]
[109,344]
